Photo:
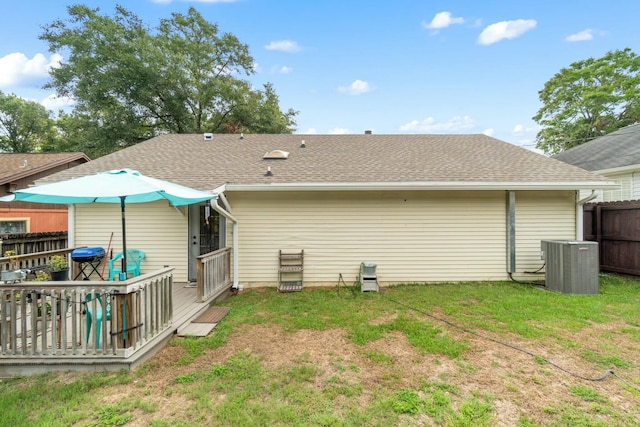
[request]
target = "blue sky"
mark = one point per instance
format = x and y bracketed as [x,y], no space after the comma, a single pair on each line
[401,66]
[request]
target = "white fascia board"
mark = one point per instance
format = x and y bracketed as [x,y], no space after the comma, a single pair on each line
[621,169]
[385,186]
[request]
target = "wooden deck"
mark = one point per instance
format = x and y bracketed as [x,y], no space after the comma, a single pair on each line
[185,308]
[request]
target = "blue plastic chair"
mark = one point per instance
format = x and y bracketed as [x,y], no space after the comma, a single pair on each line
[134,258]
[98,317]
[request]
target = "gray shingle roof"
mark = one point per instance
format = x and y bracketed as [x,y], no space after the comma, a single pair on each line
[335,159]
[617,149]
[14,166]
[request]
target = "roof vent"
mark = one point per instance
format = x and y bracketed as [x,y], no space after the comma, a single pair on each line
[302,144]
[276,154]
[208,136]
[367,132]
[24,163]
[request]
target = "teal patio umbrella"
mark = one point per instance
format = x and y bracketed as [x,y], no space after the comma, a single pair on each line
[116,186]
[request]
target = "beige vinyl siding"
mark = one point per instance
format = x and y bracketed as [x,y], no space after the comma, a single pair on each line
[411,236]
[156,228]
[542,216]
[624,192]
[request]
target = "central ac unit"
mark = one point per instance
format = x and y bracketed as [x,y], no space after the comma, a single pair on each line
[571,267]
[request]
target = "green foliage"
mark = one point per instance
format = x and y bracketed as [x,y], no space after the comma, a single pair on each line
[605,360]
[472,413]
[57,263]
[406,402]
[25,126]
[131,82]
[587,393]
[379,357]
[588,99]
[111,416]
[186,378]
[427,338]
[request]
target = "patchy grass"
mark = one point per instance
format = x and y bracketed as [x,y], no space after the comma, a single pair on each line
[463,354]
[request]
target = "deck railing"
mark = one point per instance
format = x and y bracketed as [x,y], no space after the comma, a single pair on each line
[84,318]
[32,261]
[214,273]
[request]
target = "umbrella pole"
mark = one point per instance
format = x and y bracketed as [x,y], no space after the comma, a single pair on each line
[108,256]
[124,241]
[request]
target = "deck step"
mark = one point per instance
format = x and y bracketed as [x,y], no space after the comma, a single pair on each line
[196,329]
[204,323]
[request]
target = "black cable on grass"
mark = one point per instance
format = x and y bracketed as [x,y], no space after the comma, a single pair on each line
[513,347]
[538,271]
[342,283]
[524,283]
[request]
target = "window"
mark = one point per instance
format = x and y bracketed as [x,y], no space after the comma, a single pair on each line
[11,226]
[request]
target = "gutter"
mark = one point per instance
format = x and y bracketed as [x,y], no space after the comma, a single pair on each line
[427,185]
[620,169]
[580,214]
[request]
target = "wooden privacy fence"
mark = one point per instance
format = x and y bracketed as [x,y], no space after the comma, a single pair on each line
[616,228]
[29,243]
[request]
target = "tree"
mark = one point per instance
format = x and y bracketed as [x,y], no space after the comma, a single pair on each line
[132,83]
[589,99]
[24,125]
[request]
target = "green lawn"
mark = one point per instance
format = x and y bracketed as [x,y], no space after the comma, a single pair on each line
[456,354]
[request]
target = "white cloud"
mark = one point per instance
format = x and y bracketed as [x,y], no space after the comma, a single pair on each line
[489,132]
[284,46]
[16,69]
[442,20]
[356,88]
[285,70]
[55,102]
[430,125]
[339,131]
[505,30]
[581,36]
[521,129]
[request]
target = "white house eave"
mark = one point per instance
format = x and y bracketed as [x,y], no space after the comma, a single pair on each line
[381,186]
[621,169]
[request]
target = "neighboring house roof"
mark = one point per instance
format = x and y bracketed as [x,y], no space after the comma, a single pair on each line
[615,150]
[16,166]
[342,161]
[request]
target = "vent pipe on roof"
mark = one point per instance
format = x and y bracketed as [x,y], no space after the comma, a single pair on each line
[302,144]
[208,136]
[269,173]
[241,135]
[367,132]
[24,163]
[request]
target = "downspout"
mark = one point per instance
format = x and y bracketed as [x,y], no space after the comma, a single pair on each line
[580,214]
[224,213]
[510,204]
